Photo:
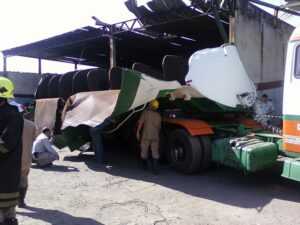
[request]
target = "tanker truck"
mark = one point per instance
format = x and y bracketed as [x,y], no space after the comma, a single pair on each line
[207,118]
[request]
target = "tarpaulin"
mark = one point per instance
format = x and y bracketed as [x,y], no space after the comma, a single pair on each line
[92,108]
[45,113]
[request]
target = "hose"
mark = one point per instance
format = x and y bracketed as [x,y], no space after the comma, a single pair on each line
[120,124]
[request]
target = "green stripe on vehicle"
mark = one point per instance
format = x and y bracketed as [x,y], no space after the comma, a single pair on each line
[129,88]
[291,117]
[163,93]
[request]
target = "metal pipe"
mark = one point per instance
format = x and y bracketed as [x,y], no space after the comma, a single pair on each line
[40,66]
[113,51]
[4,66]
[275,7]
[220,26]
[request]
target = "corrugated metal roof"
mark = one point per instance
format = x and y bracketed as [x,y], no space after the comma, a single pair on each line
[170,28]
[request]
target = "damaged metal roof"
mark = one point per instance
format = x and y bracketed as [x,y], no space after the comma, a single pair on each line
[163,27]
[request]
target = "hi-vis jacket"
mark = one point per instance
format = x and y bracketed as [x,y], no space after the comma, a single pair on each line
[11,126]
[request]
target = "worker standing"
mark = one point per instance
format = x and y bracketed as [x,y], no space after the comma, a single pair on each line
[267,107]
[264,109]
[11,127]
[43,152]
[97,144]
[28,137]
[150,121]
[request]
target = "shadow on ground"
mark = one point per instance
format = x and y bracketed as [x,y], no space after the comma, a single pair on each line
[56,168]
[56,217]
[220,184]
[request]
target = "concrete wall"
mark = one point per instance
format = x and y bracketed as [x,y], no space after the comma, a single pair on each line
[25,83]
[261,40]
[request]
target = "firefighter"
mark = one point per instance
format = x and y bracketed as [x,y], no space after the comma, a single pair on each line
[150,121]
[11,127]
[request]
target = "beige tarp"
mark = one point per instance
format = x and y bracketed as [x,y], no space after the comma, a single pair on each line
[89,108]
[45,113]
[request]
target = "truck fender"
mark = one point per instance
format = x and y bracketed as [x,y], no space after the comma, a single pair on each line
[192,126]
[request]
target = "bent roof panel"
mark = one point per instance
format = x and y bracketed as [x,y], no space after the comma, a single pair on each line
[90,46]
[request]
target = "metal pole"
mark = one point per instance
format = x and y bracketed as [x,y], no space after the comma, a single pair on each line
[275,7]
[232,29]
[40,67]
[4,66]
[112,47]
[220,26]
[75,66]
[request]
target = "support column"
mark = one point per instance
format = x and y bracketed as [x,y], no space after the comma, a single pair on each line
[4,66]
[75,66]
[40,67]
[232,29]
[220,26]
[113,51]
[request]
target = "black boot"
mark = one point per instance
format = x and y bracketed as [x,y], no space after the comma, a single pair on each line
[155,166]
[22,192]
[145,164]
[11,221]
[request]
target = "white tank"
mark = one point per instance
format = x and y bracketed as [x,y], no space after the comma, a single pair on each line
[219,75]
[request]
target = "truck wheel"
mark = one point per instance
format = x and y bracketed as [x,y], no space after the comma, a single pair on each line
[162,150]
[183,151]
[206,152]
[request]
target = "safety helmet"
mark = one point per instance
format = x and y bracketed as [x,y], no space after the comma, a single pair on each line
[154,104]
[6,88]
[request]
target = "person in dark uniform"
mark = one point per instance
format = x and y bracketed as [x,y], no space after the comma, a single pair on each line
[11,127]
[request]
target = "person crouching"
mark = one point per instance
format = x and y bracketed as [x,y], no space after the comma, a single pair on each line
[43,153]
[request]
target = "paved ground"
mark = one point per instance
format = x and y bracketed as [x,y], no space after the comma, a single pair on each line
[77,191]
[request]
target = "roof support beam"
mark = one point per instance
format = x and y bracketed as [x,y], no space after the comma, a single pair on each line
[275,7]
[113,52]
[181,13]
[40,67]
[137,24]
[4,66]
[220,26]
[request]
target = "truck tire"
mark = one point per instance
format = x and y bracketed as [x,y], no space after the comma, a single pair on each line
[183,151]
[162,149]
[206,152]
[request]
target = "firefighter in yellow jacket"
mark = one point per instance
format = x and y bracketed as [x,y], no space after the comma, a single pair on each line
[11,126]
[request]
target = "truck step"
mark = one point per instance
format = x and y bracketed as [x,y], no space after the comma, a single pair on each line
[291,169]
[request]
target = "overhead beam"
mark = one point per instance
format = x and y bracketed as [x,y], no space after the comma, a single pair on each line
[220,26]
[278,8]
[40,67]
[77,37]
[113,52]
[4,66]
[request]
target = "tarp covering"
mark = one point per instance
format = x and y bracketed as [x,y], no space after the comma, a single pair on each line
[92,108]
[89,108]
[45,113]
